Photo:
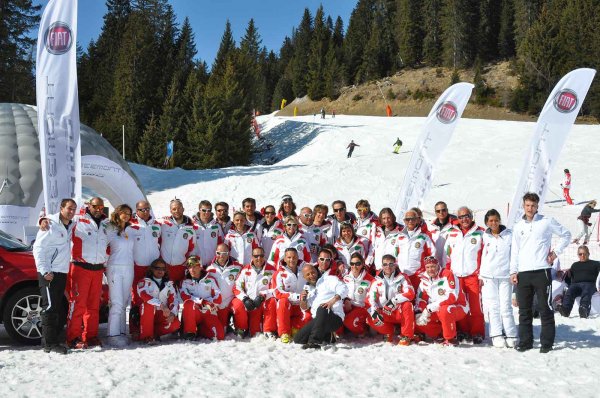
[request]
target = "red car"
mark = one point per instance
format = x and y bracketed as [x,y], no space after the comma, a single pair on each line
[20,300]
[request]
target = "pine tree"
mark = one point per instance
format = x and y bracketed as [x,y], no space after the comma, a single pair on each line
[152,147]
[301,39]
[226,48]
[408,33]
[250,50]
[526,13]
[433,40]
[460,25]
[316,62]
[506,35]
[489,30]
[357,37]
[17,82]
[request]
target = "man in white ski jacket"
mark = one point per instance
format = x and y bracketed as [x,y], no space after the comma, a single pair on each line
[531,261]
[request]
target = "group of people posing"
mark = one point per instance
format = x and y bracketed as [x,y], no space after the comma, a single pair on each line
[300,275]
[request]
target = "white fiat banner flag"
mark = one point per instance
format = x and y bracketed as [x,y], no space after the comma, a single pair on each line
[551,131]
[57,103]
[434,138]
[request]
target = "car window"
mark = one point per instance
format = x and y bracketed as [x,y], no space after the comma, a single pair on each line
[11,243]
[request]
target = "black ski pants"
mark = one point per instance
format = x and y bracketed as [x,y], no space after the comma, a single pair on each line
[52,300]
[319,329]
[538,283]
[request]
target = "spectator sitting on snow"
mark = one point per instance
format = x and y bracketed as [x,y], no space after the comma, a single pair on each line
[325,302]
[585,281]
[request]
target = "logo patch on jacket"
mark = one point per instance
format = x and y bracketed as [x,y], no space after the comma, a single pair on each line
[473,241]
[213,234]
[417,245]
[185,236]
[441,292]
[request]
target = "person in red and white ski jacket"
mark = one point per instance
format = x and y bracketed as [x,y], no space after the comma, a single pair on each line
[271,228]
[208,233]
[440,226]
[440,303]
[290,238]
[178,234]
[348,243]
[339,216]
[160,305]
[384,239]
[314,235]
[359,282]
[287,284]
[462,254]
[200,297]
[241,240]
[566,186]
[413,246]
[89,254]
[390,302]
[366,221]
[145,232]
[224,269]
[254,300]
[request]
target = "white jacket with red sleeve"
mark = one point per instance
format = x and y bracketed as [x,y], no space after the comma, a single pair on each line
[241,245]
[208,236]
[462,253]
[283,242]
[315,237]
[90,240]
[390,291]
[441,290]
[358,288]
[252,281]
[413,247]
[365,227]
[225,277]
[288,284]
[346,250]
[150,288]
[177,240]
[270,234]
[383,243]
[146,237]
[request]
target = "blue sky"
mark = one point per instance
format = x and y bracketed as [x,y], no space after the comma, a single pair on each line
[274,19]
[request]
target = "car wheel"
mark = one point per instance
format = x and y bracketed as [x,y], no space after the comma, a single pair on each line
[21,316]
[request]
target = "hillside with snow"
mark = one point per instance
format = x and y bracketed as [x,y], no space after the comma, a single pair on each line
[306,158]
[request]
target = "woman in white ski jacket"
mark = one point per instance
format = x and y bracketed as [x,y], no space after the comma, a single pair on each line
[496,289]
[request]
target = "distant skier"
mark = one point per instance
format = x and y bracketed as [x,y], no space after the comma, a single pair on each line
[333,114]
[351,146]
[397,145]
[566,186]
[322,113]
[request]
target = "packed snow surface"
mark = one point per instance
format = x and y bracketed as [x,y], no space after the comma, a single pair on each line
[306,157]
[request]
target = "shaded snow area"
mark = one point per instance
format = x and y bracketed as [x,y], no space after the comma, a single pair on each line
[306,157]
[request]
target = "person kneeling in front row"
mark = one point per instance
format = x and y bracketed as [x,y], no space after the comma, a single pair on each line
[159,307]
[324,298]
[440,303]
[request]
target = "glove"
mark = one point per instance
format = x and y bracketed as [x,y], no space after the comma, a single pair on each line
[423,318]
[155,302]
[198,300]
[398,299]
[433,307]
[388,308]
[377,317]
[258,300]
[249,304]
[294,297]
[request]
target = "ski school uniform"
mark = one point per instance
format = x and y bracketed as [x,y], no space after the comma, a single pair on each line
[358,289]
[208,236]
[287,286]
[252,283]
[200,298]
[176,245]
[241,245]
[225,277]
[413,247]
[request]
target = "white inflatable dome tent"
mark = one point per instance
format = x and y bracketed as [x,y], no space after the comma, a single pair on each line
[103,169]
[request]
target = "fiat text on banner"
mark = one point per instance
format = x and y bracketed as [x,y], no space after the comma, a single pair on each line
[57,103]
[551,131]
[434,138]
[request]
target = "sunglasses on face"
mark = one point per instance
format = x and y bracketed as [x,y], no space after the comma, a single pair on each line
[410,219]
[145,209]
[222,253]
[581,254]
[338,210]
[388,264]
[291,225]
[258,255]
[205,210]
[441,211]
[362,209]
[464,217]
[307,215]
[324,259]
[355,264]
[99,207]
[220,210]
[269,213]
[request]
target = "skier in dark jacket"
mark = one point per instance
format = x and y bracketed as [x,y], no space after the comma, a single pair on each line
[397,145]
[351,146]
[584,222]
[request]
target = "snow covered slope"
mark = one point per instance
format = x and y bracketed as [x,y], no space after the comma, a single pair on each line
[307,159]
